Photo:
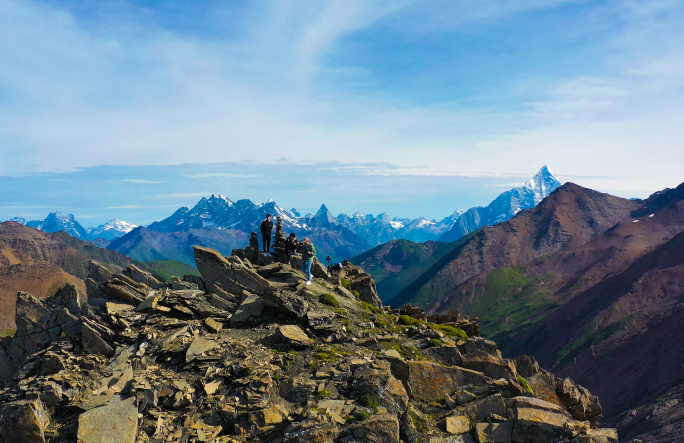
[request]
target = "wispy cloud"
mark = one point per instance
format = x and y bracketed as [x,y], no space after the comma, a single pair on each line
[221,175]
[142,181]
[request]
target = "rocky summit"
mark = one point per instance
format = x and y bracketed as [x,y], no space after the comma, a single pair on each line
[249,353]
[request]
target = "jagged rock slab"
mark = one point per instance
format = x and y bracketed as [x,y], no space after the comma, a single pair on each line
[250,308]
[117,422]
[198,347]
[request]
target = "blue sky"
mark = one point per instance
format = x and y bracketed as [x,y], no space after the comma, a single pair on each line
[460,97]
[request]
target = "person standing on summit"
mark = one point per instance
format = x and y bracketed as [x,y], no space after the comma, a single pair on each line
[307,258]
[266,229]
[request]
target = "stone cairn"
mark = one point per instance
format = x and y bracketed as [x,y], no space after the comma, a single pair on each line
[279,244]
[254,241]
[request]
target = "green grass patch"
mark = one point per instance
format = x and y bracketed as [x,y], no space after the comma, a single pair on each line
[406,352]
[329,299]
[410,321]
[371,401]
[357,294]
[345,284]
[370,308]
[435,343]
[7,333]
[525,385]
[449,330]
[323,394]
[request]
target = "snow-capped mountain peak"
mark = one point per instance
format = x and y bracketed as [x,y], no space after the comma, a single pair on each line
[56,221]
[542,184]
[20,220]
[112,229]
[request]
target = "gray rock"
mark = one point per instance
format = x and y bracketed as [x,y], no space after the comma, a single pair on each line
[198,347]
[483,409]
[294,336]
[251,307]
[115,423]
[93,343]
[383,428]
[494,432]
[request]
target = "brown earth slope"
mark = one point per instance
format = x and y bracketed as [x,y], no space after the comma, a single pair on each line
[569,217]
[40,263]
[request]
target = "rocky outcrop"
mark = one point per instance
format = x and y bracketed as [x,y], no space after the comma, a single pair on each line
[302,363]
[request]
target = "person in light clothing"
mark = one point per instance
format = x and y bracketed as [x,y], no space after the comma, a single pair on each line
[307,258]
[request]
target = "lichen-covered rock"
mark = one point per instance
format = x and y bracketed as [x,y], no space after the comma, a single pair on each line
[116,422]
[490,365]
[483,409]
[494,432]
[540,421]
[23,421]
[457,424]
[382,428]
[433,382]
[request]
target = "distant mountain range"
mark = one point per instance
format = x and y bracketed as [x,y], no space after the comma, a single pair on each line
[221,223]
[56,221]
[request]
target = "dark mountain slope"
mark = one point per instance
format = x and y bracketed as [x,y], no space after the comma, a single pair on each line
[147,244]
[395,264]
[568,218]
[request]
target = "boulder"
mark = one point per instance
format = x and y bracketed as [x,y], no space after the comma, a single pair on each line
[98,273]
[144,277]
[490,365]
[196,279]
[606,435]
[430,381]
[294,336]
[526,366]
[230,275]
[198,347]
[538,421]
[543,384]
[376,380]
[581,404]
[23,422]
[251,307]
[311,431]
[318,270]
[285,302]
[447,355]
[117,422]
[457,424]
[494,432]
[382,428]
[93,342]
[483,409]
[365,285]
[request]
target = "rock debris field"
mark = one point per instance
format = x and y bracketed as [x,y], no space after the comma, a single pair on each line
[251,354]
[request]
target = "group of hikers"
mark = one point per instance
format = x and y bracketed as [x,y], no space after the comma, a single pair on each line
[291,244]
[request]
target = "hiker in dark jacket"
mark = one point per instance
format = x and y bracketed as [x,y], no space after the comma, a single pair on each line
[290,247]
[307,258]
[266,231]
